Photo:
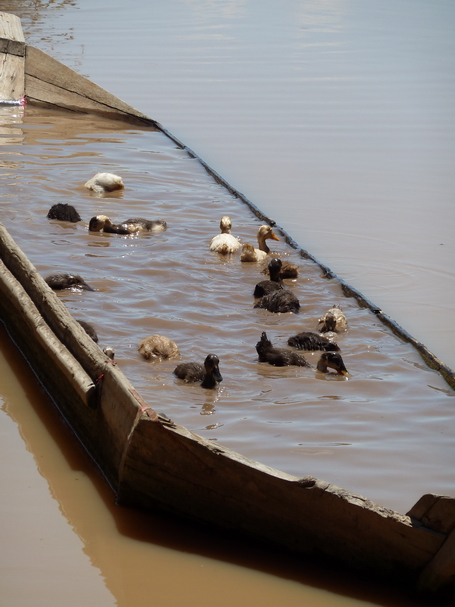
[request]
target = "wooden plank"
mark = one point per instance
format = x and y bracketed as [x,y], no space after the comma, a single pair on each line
[50,83]
[12,58]
[440,571]
[435,511]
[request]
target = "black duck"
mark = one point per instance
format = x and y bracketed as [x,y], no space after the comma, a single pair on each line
[312,341]
[208,373]
[279,357]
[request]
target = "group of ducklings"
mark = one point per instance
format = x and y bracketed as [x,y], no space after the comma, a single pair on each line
[272,294]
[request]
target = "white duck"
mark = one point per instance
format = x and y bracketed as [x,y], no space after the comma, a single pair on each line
[225,242]
[105,182]
[249,253]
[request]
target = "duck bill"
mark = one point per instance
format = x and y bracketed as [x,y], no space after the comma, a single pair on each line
[217,375]
[343,371]
[273,236]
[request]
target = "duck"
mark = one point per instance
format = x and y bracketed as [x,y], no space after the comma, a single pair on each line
[158,346]
[249,253]
[105,182]
[225,243]
[208,373]
[265,287]
[282,300]
[333,320]
[332,360]
[130,226]
[109,352]
[58,282]
[307,340]
[279,357]
[89,329]
[288,270]
[63,212]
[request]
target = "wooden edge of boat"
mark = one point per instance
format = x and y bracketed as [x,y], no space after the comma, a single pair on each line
[152,463]
[149,461]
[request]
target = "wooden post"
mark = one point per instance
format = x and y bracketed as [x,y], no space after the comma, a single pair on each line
[12,59]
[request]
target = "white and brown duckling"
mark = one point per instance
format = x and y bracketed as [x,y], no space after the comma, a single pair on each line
[208,373]
[63,212]
[105,182]
[109,352]
[58,282]
[279,357]
[333,320]
[307,340]
[89,329]
[225,243]
[249,253]
[130,226]
[333,361]
[265,287]
[158,346]
[282,301]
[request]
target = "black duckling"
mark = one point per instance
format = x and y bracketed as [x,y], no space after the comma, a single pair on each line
[282,300]
[208,373]
[279,357]
[333,320]
[225,243]
[158,346]
[312,341]
[332,360]
[89,330]
[265,287]
[63,212]
[67,281]
[130,226]
[288,270]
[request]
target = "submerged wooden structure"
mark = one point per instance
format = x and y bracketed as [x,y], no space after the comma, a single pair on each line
[153,463]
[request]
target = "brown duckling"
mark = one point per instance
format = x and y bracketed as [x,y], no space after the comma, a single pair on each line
[105,182]
[333,320]
[130,226]
[307,340]
[279,357]
[109,351]
[63,212]
[208,373]
[265,287]
[249,253]
[225,243]
[282,300]
[331,360]
[158,346]
[58,282]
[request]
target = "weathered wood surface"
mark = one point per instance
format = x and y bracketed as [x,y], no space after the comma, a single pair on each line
[12,58]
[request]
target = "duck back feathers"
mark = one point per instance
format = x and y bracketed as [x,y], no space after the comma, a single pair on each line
[279,357]
[63,212]
[282,300]
[308,340]
[158,346]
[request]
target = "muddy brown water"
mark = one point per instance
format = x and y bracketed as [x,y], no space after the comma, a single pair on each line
[386,431]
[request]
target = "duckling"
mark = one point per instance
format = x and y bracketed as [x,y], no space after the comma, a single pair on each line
[130,226]
[89,330]
[312,341]
[282,300]
[158,346]
[333,320]
[105,182]
[67,281]
[249,253]
[208,373]
[63,212]
[109,351]
[265,287]
[332,360]
[288,270]
[225,243]
[279,357]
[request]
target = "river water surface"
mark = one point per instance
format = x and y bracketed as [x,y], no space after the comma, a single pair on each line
[386,431]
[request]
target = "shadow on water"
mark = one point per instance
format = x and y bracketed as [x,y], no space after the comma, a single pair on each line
[98,521]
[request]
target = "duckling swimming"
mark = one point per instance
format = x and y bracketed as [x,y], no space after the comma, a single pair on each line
[130,226]
[265,287]
[208,373]
[282,300]
[105,182]
[109,351]
[333,320]
[63,212]
[158,346]
[332,360]
[312,341]
[279,357]
[288,270]
[225,243]
[57,282]
[249,253]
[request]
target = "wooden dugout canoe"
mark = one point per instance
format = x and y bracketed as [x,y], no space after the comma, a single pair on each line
[151,462]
